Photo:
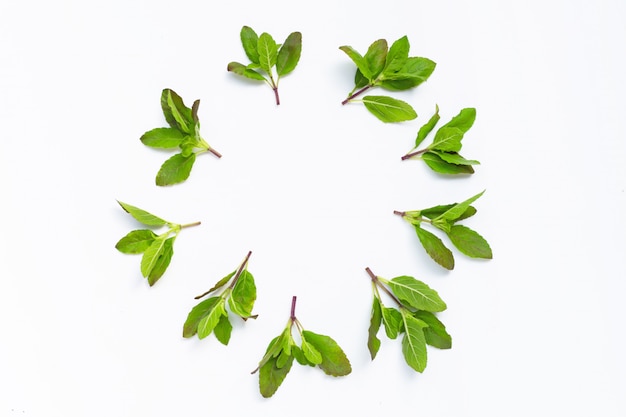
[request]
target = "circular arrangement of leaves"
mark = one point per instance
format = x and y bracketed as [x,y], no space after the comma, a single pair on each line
[415,305]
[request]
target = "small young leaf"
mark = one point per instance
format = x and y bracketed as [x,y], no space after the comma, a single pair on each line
[223,329]
[435,248]
[396,57]
[249,40]
[373,342]
[414,343]
[469,242]
[376,57]
[210,320]
[197,313]
[163,261]
[334,360]
[271,376]
[434,212]
[416,294]
[389,110]
[392,319]
[297,353]
[310,353]
[151,255]
[221,282]
[289,54]
[175,170]
[267,50]
[434,162]
[142,216]
[244,71]
[176,113]
[464,120]
[456,211]
[447,139]
[136,241]
[454,158]
[435,334]
[163,137]
[361,64]
[427,128]
[243,296]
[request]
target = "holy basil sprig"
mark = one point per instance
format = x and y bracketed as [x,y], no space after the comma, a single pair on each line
[265,54]
[442,155]
[445,218]
[211,316]
[314,350]
[414,316]
[157,250]
[392,69]
[183,133]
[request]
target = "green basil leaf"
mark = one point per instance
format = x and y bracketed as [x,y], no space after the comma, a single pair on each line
[373,342]
[151,255]
[414,343]
[249,40]
[244,71]
[434,212]
[376,57]
[396,57]
[361,64]
[435,248]
[459,209]
[469,242]
[427,127]
[142,216]
[464,120]
[163,261]
[271,376]
[243,295]
[437,164]
[435,334]
[299,356]
[416,71]
[454,158]
[416,294]
[221,282]
[359,80]
[289,54]
[310,353]
[447,139]
[392,319]
[334,360]
[136,241]
[163,137]
[176,113]
[223,330]
[197,313]
[389,110]
[267,52]
[210,320]
[175,170]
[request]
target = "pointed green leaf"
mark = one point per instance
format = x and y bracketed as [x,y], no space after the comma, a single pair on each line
[359,60]
[435,248]
[359,81]
[459,209]
[274,348]
[392,319]
[162,262]
[249,40]
[223,329]
[389,110]
[142,216]
[376,57]
[427,128]
[310,353]
[414,343]
[175,170]
[434,212]
[244,71]
[297,353]
[416,294]
[454,158]
[464,120]
[437,164]
[197,313]
[210,320]
[271,376]
[219,284]
[447,139]
[289,54]
[469,242]
[416,71]
[163,137]
[267,52]
[176,113]
[151,255]
[136,241]
[334,360]
[397,56]
[243,295]
[435,334]
[373,342]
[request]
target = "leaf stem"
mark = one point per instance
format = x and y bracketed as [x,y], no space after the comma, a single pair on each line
[276,95]
[240,270]
[214,152]
[412,154]
[293,309]
[400,213]
[183,226]
[361,91]
[376,281]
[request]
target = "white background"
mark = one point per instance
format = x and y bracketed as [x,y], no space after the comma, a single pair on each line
[309,187]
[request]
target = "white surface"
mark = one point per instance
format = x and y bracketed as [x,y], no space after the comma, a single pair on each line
[310,187]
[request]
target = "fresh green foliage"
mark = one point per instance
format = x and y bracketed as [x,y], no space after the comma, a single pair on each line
[157,250]
[211,315]
[445,218]
[390,68]
[314,350]
[414,317]
[442,155]
[265,55]
[183,134]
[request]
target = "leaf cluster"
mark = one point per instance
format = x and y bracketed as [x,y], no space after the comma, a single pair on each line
[157,250]
[442,155]
[183,134]
[445,218]
[390,68]
[414,317]
[211,315]
[266,56]
[314,350]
